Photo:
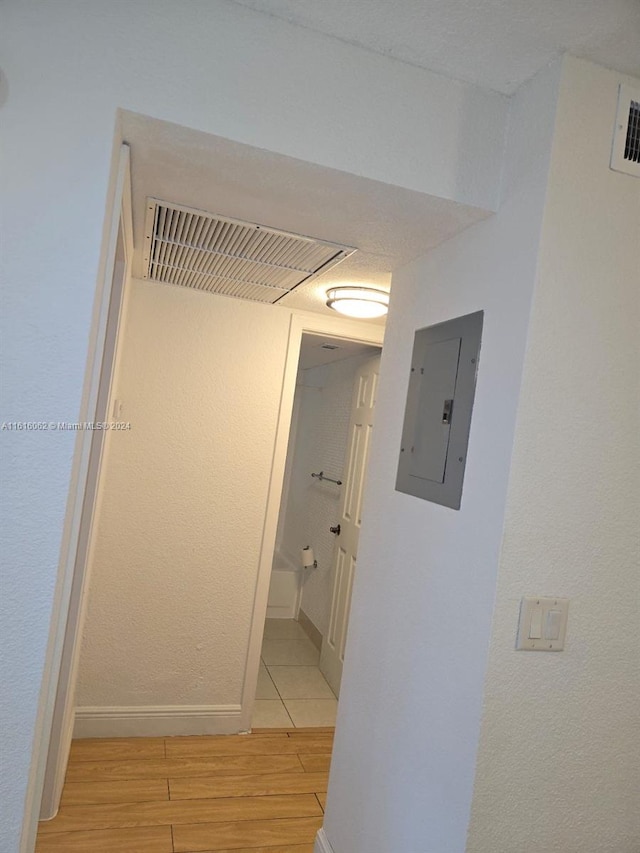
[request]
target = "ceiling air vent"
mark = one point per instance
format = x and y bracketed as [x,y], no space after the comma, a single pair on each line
[220,255]
[625,154]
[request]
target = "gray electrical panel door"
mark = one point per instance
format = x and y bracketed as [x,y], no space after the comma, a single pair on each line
[430,444]
[438,411]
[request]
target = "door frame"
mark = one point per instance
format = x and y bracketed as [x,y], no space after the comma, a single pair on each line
[54,719]
[300,323]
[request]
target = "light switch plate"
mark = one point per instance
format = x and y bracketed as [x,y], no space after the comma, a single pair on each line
[543,624]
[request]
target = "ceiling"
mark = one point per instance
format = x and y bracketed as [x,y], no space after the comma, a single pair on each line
[316,350]
[496,44]
[388,225]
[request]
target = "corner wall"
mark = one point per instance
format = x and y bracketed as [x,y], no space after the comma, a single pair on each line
[410,707]
[559,756]
[179,534]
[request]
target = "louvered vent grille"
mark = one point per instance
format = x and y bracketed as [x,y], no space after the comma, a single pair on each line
[632,141]
[207,252]
[625,154]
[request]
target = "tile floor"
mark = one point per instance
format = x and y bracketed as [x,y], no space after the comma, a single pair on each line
[291,688]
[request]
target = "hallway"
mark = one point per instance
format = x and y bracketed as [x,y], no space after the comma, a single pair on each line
[240,793]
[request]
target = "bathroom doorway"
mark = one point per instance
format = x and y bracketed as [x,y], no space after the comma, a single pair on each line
[316,541]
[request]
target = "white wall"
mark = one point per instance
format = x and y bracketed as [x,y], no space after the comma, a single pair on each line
[410,707]
[67,67]
[312,507]
[184,493]
[559,757]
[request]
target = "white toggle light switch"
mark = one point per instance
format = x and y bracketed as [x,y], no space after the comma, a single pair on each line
[535,626]
[543,623]
[552,624]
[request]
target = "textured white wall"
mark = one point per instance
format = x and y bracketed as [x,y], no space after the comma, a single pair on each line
[559,757]
[179,533]
[312,507]
[213,66]
[410,707]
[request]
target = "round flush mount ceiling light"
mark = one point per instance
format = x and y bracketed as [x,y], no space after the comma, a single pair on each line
[361,302]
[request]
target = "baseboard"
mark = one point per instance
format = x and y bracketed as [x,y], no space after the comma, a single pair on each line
[157,720]
[310,629]
[59,758]
[322,843]
[275,611]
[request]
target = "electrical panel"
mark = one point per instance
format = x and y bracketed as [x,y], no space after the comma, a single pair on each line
[437,418]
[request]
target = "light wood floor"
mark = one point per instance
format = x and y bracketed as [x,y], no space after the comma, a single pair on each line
[257,793]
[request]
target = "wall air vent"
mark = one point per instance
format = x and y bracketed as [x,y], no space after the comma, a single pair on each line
[625,154]
[195,249]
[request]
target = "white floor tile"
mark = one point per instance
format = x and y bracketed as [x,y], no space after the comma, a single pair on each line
[300,682]
[289,653]
[283,629]
[266,688]
[312,712]
[289,669]
[270,713]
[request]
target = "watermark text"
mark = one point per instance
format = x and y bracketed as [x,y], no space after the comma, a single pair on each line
[64,426]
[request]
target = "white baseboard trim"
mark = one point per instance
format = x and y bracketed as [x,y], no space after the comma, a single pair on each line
[322,843]
[59,757]
[157,720]
[280,612]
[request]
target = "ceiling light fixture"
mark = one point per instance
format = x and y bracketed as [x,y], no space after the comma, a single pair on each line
[361,302]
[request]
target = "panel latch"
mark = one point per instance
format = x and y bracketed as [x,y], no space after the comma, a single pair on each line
[446,411]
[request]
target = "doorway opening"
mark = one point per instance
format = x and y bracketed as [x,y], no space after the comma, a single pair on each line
[317,534]
[179,574]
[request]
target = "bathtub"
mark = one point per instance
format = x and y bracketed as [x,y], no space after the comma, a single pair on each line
[285,589]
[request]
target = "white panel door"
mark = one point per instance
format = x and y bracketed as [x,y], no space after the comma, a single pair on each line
[350,520]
